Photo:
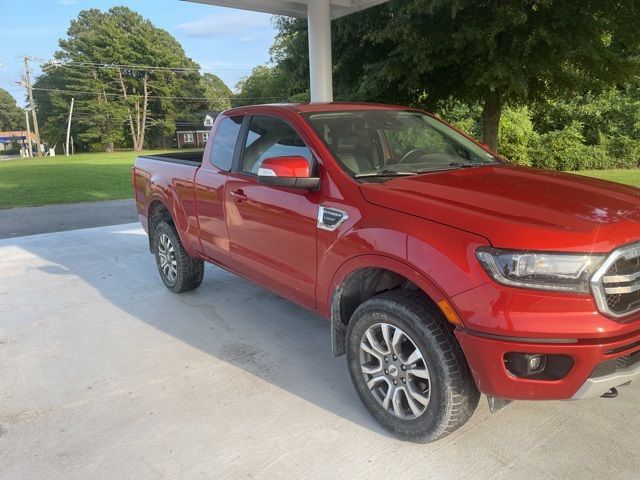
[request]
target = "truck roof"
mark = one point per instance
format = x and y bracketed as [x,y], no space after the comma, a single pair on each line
[315,107]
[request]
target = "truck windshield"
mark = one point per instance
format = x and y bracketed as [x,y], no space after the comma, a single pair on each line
[388,143]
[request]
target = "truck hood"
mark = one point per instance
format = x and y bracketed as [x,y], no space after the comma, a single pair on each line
[519,208]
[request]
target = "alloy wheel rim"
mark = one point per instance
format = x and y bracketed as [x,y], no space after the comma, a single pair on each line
[395,371]
[167,257]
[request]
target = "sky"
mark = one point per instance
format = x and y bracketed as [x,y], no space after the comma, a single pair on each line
[223,41]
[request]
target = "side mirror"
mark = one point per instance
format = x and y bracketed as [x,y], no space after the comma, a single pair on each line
[292,172]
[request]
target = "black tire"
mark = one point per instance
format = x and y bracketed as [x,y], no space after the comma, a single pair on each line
[453,393]
[189,271]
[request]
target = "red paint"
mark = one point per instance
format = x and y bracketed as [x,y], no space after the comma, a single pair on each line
[287,166]
[425,228]
[485,357]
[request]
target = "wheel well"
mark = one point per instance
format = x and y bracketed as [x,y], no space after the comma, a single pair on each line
[158,212]
[357,288]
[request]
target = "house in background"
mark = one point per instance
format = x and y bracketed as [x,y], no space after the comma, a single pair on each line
[8,139]
[194,134]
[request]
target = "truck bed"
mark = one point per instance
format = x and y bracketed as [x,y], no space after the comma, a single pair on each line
[156,173]
[193,157]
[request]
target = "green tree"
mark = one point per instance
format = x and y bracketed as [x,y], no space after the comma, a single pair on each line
[613,112]
[501,52]
[494,52]
[105,64]
[216,91]
[11,116]
[287,78]
[516,135]
[264,85]
[98,118]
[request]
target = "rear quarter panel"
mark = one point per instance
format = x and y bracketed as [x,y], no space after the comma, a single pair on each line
[171,184]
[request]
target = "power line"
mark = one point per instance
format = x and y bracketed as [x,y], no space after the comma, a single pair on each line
[74,63]
[167,97]
[149,68]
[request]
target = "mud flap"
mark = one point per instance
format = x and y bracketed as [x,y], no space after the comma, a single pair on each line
[496,404]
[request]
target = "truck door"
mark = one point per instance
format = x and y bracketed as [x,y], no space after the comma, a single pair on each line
[272,230]
[209,188]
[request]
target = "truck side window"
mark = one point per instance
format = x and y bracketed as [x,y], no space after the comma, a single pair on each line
[224,142]
[271,137]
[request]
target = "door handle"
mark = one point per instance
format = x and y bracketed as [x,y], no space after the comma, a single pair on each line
[239,196]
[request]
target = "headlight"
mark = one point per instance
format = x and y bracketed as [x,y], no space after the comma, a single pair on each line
[566,272]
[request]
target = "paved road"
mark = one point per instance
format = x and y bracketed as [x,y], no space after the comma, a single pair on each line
[17,222]
[104,374]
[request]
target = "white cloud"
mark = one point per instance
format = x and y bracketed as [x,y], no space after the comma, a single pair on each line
[242,23]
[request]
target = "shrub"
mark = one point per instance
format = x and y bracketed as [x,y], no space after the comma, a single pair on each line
[516,135]
[561,149]
[613,112]
[12,151]
[595,157]
[587,132]
[623,151]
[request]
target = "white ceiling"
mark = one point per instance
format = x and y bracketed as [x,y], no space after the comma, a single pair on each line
[293,8]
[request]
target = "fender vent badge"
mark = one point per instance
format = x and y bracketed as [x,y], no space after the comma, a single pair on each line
[331,218]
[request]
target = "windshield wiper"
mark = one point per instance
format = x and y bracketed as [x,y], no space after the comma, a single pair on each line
[384,173]
[452,166]
[463,164]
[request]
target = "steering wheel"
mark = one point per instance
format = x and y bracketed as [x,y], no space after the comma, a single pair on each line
[412,153]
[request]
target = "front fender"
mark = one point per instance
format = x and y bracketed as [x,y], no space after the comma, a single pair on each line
[338,327]
[438,259]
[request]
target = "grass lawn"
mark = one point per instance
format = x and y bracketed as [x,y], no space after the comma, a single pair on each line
[107,176]
[80,178]
[629,177]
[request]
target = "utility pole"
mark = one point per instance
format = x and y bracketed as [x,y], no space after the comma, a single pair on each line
[66,150]
[26,116]
[27,75]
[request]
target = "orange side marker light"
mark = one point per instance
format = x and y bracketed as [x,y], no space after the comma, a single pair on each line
[449,312]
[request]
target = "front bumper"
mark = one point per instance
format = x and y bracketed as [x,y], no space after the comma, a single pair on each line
[592,374]
[499,319]
[600,383]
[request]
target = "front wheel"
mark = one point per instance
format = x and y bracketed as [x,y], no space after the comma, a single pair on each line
[179,271]
[408,368]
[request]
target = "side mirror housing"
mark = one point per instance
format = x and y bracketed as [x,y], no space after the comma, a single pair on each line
[292,172]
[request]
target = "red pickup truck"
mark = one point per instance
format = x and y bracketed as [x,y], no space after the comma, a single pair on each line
[444,271]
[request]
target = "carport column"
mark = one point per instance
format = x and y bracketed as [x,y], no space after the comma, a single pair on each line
[320,65]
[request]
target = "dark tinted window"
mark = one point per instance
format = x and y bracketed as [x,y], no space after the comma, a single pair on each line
[271,137]
[224,142]
[369,141]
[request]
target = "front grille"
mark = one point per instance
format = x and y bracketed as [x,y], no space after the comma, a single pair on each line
[622,285]
[616,365]
[616,284]
[623,361]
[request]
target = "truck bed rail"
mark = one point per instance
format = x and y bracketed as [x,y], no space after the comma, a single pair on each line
[193,158]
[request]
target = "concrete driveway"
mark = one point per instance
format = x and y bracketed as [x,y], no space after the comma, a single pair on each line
[21,221]
[104,374]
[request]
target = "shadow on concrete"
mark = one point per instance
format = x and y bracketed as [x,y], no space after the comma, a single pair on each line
[227,317]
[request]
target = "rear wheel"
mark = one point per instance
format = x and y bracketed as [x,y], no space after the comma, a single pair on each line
[179,271]
[408,368]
